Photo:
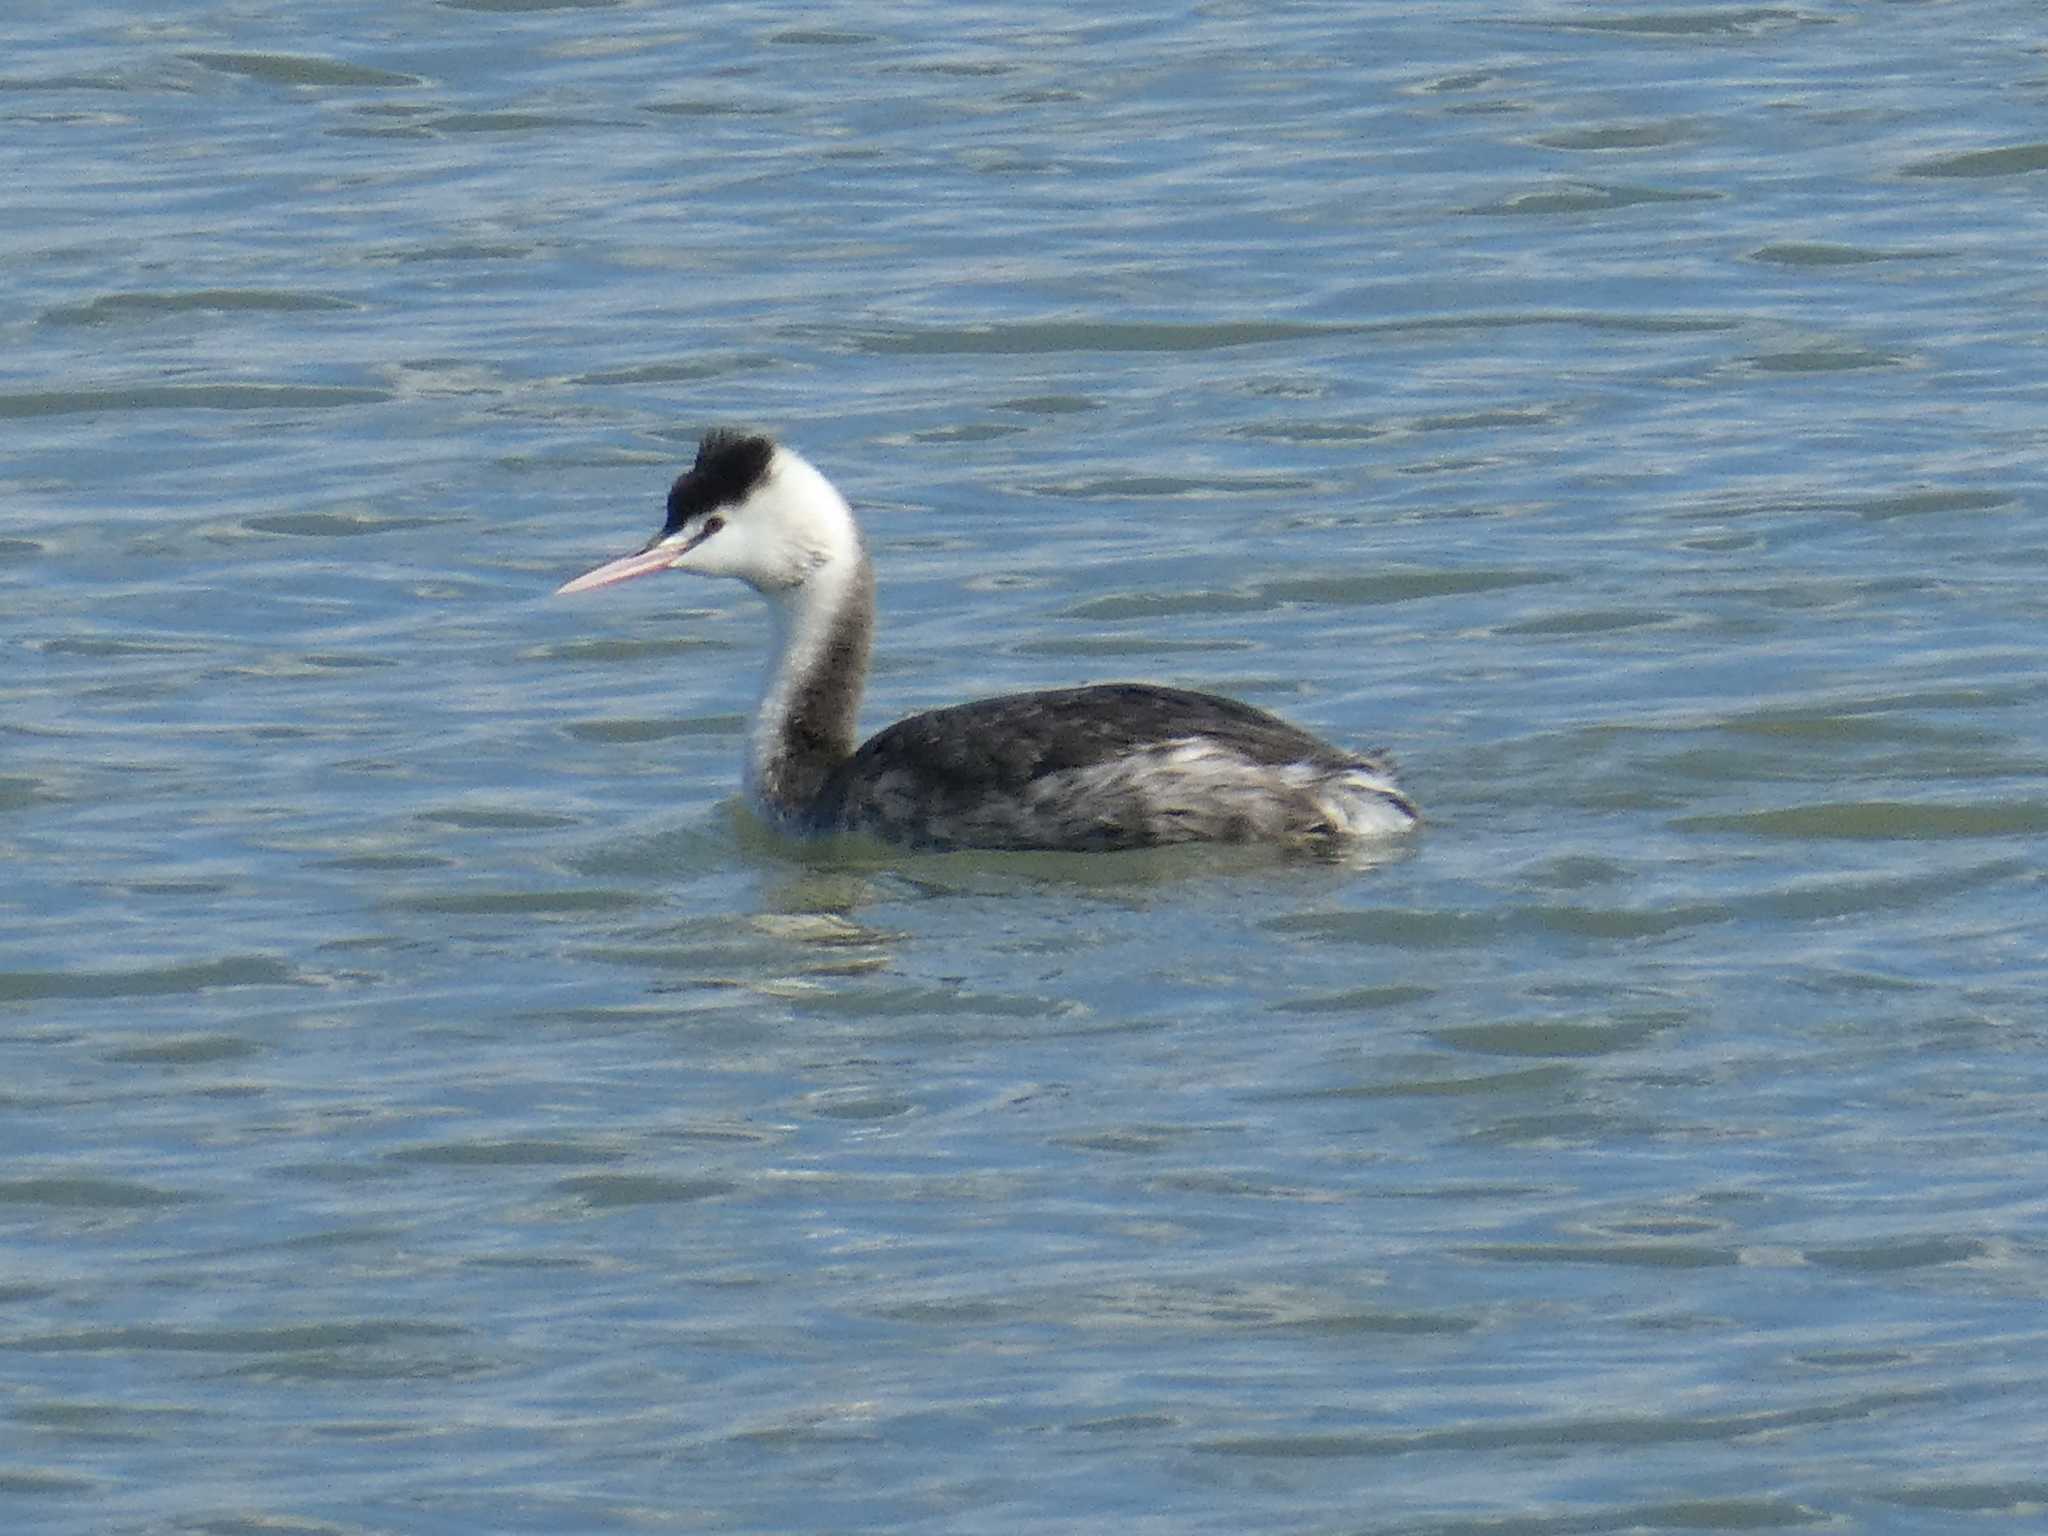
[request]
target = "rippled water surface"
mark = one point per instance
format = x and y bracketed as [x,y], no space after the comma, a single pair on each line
[432,1104]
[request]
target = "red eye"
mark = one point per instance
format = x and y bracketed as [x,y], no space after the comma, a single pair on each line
[712,525]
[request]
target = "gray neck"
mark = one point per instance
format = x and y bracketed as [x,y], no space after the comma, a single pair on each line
[810,708]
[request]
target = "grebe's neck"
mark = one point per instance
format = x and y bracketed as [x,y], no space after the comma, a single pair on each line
[805,727]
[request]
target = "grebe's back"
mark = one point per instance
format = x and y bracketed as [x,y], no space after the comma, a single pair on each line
[1116,765]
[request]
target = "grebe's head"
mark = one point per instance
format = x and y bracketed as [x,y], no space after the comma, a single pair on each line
[747,508]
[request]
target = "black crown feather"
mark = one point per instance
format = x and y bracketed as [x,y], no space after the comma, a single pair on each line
[730,466]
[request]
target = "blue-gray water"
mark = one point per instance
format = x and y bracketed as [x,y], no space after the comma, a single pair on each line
[430,1104]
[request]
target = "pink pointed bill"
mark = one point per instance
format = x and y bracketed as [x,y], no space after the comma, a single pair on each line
[625,568]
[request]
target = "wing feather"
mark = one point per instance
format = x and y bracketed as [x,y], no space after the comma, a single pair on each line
[983,762]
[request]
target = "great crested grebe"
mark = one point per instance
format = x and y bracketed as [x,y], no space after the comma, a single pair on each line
[1116,765]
